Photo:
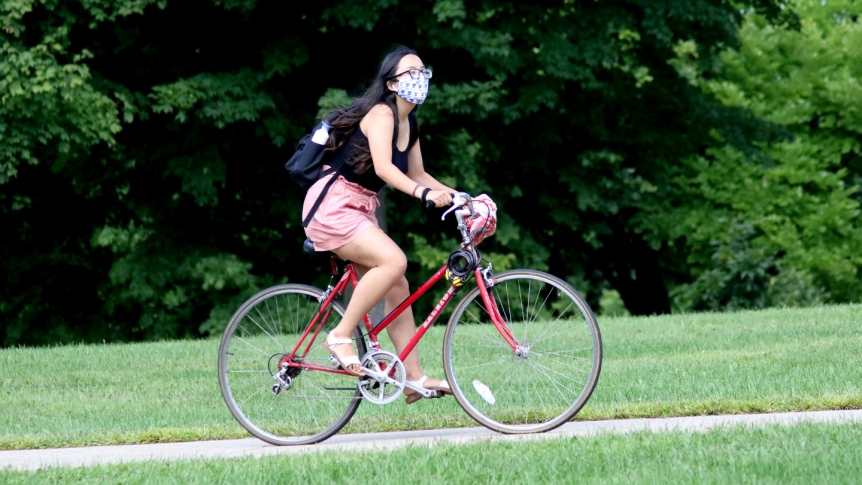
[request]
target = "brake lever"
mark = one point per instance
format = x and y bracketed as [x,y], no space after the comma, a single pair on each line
[454,207]
[457,202]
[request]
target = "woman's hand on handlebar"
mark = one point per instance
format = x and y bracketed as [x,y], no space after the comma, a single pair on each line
[440,198]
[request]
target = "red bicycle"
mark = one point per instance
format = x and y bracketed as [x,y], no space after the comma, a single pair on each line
[522,351]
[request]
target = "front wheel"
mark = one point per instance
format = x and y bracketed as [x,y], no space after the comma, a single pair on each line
[548,378]
[309,405]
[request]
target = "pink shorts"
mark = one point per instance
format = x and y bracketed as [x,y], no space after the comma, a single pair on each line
[346,211]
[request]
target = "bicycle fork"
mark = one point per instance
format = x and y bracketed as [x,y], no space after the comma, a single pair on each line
[484,281]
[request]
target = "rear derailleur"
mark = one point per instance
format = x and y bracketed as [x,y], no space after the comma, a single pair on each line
[284,377]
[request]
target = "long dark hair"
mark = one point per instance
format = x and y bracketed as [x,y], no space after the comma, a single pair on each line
[345,121]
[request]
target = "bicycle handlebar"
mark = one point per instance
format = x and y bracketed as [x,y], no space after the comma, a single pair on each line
[429,204]
[459,200]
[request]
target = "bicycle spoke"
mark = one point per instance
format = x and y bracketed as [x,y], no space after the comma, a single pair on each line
[505,384]
[499,343]
[539,395]
[533,305]
[475,318]
[521,300]
[278,315]
[490,317]
[547,295]
[549,382]
[252,346]
[497,347]
[564,331]
[283,351]
[552,381]
[564,376]
[569,365]
[304,412]
[262,329]
[559,317]
[266,386]
[507,317]
[485,364]
[564,352]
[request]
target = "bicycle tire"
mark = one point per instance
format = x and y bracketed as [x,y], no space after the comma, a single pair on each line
[548,384]
[264,329]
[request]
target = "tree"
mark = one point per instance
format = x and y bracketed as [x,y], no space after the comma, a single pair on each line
[142,188]
[782,229]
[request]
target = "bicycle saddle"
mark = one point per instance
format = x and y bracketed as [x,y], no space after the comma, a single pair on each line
[308,247]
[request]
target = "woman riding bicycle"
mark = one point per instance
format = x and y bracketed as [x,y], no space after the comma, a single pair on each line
[377,138]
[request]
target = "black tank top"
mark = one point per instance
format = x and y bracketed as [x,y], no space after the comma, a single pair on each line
[369,178]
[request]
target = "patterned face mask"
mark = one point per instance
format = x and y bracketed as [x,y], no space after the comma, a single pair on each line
[413,90]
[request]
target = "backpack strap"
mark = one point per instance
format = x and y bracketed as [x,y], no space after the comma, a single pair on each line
[336,171]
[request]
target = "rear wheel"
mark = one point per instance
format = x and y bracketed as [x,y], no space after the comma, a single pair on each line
[545,382]
[266,328]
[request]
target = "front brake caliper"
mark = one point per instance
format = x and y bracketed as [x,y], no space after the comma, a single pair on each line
[488,277]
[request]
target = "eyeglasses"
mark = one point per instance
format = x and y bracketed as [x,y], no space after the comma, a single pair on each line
[414,73]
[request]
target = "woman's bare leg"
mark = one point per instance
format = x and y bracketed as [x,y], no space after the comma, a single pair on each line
[402,328]
[384,264]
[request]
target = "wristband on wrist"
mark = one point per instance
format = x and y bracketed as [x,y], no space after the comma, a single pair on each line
[425,193]
[414,189]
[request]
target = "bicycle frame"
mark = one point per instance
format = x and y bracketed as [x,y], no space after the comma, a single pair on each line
[324,310]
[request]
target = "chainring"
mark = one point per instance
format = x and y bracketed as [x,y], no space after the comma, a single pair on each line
[380,361]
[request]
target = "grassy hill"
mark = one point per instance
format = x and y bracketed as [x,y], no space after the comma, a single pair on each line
[771,360]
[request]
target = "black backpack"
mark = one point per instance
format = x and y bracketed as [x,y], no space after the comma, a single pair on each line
[306,165]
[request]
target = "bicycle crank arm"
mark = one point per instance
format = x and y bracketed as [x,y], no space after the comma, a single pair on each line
[426,393]
[381,377]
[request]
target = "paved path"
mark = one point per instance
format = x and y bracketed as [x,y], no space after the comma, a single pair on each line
[77,457]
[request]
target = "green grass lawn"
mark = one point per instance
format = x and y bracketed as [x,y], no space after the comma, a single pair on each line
[803,454]
[773,360]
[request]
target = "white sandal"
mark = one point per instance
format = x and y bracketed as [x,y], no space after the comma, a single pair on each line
[442,390]
[344,362]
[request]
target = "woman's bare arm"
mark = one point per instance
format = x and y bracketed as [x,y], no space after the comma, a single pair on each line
[416,171]
[378,126]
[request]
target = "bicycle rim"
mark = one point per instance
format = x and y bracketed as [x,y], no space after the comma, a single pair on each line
[554,375]
[263,330]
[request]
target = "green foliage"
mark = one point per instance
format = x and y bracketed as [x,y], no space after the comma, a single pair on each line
[221,99]
[331,100]
[612,305]
[141,145]
[46,91]
[799,206]
[742,276]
